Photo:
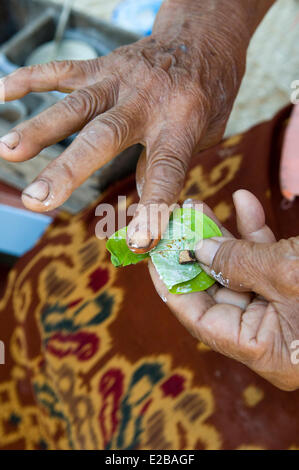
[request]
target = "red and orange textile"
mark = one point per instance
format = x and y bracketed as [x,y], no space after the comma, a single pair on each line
[95,360]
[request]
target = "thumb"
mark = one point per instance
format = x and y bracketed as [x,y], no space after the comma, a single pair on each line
[238,264]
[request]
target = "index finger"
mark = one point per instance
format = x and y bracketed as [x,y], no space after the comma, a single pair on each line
[64,76]
[166,165]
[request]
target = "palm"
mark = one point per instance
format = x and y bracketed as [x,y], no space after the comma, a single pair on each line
[240,325]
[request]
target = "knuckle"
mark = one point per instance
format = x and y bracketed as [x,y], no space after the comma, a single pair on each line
[63,71]
[57,71]
[84,102]
[285,277]
[109,92]
[288,276]
[62,167]
[53,68]
[57,67]
[116,124]
[93,66]
[173,152]
[30,70]
[67,169]
[245,264]
[146,100]
[168,157]
[227,259]
[255,352]
[171,167]
[88,143]
[165,179]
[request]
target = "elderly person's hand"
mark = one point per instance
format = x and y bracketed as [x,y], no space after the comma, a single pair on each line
[260,330]
[172,92]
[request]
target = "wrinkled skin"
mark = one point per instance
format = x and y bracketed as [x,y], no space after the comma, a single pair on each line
[172,92]
[260,330]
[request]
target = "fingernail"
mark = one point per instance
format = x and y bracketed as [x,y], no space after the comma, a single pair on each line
[11,140]
[140,239]
[38,190]
[206,251]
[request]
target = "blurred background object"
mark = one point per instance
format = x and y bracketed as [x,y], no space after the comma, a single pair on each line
[133,15]
[102,9]
[138,16]
[272,66]
[19,228]
[60,48]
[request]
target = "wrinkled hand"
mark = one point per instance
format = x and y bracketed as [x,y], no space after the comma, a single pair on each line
[172,92]
[260,330]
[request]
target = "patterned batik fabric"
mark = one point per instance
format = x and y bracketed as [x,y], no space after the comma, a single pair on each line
[94,358]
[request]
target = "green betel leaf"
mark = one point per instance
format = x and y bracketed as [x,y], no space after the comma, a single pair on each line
[201,282]
[185,229]
[121,255]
